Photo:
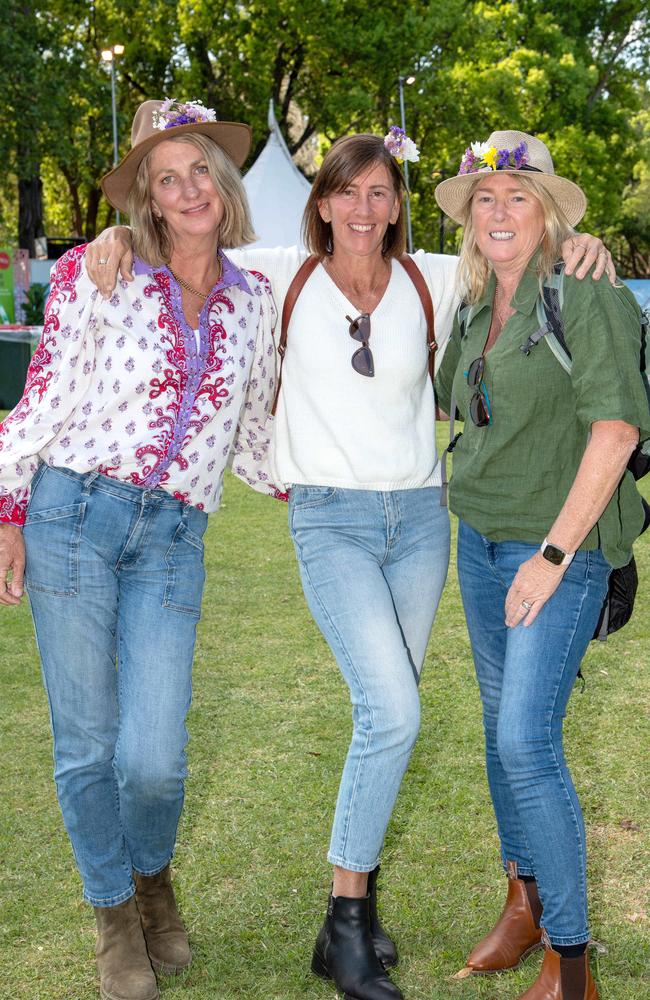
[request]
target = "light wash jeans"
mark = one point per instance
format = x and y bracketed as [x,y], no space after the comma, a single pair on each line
[115,573]
[373,566]
[526,676]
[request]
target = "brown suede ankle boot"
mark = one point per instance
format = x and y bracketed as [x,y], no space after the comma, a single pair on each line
[562,978]
[164,933]
[513,937]
[123,965]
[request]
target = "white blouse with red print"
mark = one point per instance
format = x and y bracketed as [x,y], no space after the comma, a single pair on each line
[125,387]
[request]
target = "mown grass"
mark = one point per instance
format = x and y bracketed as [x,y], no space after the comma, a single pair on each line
[269,728]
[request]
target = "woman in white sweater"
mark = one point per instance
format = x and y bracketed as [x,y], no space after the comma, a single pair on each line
[354,439]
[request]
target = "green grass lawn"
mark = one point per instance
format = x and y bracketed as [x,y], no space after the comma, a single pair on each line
[269,729]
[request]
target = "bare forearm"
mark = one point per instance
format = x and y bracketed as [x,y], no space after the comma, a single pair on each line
[603,463]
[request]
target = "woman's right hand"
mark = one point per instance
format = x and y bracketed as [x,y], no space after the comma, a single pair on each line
[110,251]
[12,561]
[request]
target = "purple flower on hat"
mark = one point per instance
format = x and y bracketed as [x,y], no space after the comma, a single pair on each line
[172,112]
[480,157]
[503,159]
[520,155]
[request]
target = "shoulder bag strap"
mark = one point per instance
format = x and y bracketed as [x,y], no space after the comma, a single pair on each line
[416,276]
[290,299]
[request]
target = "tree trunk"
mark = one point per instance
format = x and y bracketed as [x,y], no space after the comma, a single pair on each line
[94,198]
[30,212]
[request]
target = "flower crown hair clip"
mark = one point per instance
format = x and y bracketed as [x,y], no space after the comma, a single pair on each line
[481,157]
[172,112]
[400,146]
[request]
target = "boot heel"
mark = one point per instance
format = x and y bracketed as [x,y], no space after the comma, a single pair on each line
[318,967]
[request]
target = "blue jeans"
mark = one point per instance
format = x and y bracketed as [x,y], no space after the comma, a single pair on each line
[115,573]
[373,566]
[526,676]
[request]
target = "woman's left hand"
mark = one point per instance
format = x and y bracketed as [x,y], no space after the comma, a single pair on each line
[536,581]
[585,250]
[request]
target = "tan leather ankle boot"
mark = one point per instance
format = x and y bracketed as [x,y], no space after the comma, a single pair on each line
[164,933]
[513,937]
[549,986]
[123,964]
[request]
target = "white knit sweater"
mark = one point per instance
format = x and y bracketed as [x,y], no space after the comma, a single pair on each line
[334,427]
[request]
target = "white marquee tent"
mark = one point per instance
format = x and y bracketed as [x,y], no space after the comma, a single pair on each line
[277,192]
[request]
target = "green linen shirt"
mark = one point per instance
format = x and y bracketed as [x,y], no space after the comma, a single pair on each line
[511,478]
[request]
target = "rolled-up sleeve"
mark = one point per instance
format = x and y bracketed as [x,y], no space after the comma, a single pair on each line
[603,334]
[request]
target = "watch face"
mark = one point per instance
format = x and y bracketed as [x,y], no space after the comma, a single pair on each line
[554,555]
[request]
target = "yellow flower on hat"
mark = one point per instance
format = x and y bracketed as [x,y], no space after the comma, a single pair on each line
[490,157]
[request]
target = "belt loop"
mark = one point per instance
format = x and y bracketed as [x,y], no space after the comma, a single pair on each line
[88,481]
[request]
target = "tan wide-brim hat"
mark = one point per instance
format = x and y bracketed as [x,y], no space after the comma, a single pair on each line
[233,137]
[453,194]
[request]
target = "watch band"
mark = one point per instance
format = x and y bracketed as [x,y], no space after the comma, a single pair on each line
[554,554]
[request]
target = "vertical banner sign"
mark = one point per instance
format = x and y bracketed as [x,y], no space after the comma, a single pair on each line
[6,285]
[21,282]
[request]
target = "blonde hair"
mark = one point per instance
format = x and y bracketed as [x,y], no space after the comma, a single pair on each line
[152,240]
[474,268]
[344,161]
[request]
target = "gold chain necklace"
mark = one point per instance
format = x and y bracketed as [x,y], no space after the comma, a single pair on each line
[342,286]
[190,288]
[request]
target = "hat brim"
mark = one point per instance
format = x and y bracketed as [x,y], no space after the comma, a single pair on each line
[234,138]
[453,194]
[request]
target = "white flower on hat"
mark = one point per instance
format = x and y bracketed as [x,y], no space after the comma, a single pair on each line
[479,149]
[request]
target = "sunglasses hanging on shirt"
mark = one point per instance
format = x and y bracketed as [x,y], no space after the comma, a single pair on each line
[362,359]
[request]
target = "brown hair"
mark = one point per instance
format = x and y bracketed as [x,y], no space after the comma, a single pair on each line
[151,238]
[474,269]
[347,158]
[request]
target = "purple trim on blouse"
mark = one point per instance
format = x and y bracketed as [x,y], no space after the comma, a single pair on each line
[196,356]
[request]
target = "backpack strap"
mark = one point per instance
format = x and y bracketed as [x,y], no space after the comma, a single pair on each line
[421,287]
[549,317]
[290,299]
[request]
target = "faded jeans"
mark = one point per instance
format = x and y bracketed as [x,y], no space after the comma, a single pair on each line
[115,576]
[373,565]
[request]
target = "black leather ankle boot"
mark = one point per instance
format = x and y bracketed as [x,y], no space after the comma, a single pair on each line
[385,948]
[345,953]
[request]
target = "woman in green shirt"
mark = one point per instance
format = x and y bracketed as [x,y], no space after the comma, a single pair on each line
[546,509]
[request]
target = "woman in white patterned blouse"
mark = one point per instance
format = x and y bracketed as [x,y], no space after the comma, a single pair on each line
[108,467]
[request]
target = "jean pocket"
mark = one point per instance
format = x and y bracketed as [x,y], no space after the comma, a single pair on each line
[52,538]
[306,497]
[185,572]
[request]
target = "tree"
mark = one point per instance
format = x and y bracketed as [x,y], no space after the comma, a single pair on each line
[574,74]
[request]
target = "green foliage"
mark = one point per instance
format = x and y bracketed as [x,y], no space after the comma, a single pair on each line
[33,305]
[576,74]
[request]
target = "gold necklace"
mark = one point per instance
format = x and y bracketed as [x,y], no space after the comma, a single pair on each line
[190,288]
[342,285]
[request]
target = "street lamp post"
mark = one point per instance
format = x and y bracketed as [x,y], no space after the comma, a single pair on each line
[109,56]
[408,80]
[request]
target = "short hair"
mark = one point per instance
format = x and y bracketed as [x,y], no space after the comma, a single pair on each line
[345,160]
[151,238]
[474,268]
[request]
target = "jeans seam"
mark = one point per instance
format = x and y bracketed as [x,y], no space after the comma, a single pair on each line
[116,785]
[582,857]
[362,755]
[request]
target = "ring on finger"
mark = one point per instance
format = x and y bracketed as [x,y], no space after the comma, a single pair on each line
[103,260]
[527,605]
